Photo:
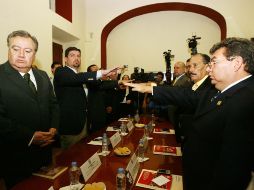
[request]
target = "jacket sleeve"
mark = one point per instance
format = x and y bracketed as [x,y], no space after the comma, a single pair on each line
[66,77]
[178,96]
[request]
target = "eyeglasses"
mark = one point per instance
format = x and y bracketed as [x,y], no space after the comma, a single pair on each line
[218,61]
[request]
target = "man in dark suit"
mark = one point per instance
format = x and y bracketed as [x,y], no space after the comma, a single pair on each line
[68,83]
[198,64]
[96,100]
[28,111]
[219,152]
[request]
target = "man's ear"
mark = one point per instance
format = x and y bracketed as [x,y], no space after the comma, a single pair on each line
[238,63]
[65,60]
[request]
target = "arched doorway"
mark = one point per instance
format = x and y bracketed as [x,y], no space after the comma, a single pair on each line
[208,12]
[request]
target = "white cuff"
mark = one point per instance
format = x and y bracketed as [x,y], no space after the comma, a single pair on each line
[31,141]
[98,74]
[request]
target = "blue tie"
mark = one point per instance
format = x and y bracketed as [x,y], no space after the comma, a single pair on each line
[215,96]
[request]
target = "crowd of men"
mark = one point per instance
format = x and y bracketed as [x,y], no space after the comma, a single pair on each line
[212,102]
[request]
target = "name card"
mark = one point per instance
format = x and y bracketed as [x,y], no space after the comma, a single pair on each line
[90,166]
[133,167]
[115,139]
[130,126]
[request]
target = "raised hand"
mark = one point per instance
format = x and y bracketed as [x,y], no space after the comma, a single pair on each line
[141,87]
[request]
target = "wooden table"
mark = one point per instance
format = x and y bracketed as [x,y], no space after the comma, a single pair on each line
[106,173]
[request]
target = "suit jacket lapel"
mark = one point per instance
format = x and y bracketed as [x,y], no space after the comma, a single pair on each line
[17,80]
[39,81]
[207,105]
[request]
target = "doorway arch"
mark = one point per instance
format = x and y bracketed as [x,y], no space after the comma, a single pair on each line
[206,11]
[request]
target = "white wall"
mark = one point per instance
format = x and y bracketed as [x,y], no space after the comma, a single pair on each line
[141,41]
[36,18]
[16,15]
[238,15]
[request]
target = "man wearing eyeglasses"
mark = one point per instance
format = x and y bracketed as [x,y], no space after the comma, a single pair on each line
[219,153]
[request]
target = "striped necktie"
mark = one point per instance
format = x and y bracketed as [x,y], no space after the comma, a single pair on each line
[215,96]
[30,83]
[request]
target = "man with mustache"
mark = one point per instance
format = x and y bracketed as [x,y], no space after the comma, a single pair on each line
[198,73]
[198,64]
[218,153]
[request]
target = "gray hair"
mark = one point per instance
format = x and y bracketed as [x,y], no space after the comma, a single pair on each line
[22,33]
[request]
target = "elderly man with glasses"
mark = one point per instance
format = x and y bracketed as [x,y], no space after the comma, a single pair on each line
[219,152]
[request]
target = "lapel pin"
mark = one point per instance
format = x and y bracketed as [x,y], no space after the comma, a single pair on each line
[219,103]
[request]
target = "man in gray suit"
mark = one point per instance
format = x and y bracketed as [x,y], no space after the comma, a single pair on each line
[28,111]
[180,77]
[180,80]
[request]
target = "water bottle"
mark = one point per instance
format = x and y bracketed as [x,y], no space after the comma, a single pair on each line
[153,120]
[120,179]
[129,118]
[104,148]
[145,142]
[136,117]
[146,131]
[74,173]
[123,128]
[141,149]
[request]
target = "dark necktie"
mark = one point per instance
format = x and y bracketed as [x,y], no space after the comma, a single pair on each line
[215,96]
[30,83]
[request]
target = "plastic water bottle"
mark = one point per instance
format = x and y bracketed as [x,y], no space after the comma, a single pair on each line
[74,173]
[153,120]
[104,148]
[146,131]
[145,142]
[141,149]
[136,117]
[129,118]
[120,179]
[123,129]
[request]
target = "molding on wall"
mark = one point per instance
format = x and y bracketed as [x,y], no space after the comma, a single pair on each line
[206,11]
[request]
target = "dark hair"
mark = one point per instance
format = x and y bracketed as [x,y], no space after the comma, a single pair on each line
[66,53]
[54,64]
[238,47]
[125,76]
[206,58]
[24,34]
[89,68]
[160,73]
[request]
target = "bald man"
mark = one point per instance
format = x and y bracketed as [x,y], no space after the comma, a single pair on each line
[181,79]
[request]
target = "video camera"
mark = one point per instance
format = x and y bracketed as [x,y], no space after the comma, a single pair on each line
[168,56]
[142,76]
[192,43]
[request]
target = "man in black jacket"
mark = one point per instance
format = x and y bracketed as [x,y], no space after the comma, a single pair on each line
[29,113]
[96,100]
[68,83]
[198,64]
[219,152]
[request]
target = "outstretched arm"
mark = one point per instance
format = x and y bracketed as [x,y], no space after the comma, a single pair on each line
[141,87]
